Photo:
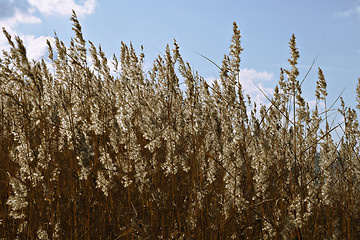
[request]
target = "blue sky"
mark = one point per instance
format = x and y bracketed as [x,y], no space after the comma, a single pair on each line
[329,29]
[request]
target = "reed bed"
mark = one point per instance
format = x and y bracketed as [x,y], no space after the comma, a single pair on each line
[91,153]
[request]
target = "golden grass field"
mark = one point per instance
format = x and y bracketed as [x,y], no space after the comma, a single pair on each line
[93,152]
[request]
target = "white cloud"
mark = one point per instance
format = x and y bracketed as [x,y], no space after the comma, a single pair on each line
[8,7]
[248,79]
[22,12]
[312,103]
[13,13]
[20,17]
[36,47]
[64,7]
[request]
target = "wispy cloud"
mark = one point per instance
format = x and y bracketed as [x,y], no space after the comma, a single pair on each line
[349,12]
[8,8]
[64,7]
[19,16]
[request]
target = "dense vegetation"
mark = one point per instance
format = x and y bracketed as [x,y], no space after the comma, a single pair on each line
[90,153]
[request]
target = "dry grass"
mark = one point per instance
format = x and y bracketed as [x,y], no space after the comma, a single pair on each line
[129,155]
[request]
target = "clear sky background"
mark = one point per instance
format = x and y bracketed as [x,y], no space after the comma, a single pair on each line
[328,29]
